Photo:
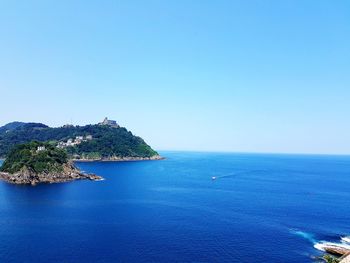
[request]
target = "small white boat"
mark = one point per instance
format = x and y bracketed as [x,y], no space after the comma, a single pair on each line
[213,178]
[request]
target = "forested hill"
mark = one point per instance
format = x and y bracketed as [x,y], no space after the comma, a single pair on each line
[11,126]
[88,142]
[49,159]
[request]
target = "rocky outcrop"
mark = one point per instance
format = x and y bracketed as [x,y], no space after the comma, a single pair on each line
[335,249]
[28,176]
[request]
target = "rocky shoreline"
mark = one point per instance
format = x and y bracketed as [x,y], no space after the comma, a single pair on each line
[121,159]
[336,252]
[26,176]
[69,173]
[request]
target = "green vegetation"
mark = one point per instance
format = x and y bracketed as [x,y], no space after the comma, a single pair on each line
[330,259]
[107,141]
[27,156]
[11,126]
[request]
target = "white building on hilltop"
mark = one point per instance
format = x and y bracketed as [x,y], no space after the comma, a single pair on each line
[108,122]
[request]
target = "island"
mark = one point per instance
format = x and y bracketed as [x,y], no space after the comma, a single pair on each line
[38,162]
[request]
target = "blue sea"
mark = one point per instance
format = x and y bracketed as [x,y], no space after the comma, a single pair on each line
[260,208]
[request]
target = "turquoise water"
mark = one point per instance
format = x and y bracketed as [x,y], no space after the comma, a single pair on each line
[263,208]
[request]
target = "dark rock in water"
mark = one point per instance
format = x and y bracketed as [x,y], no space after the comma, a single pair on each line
[28,176]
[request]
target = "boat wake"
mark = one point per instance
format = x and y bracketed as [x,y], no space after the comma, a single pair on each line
[231,175]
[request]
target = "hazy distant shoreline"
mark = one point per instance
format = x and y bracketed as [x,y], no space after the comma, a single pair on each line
[121,159]
[125,159]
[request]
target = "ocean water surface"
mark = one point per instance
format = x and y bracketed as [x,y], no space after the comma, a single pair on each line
[260,208]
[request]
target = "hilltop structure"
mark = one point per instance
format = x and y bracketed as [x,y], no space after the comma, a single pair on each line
[108,122]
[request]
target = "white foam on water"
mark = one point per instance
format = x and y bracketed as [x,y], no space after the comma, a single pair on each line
[346,239]
[101,179]
[321,245]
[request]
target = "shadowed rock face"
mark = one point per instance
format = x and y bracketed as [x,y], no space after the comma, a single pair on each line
[28,176]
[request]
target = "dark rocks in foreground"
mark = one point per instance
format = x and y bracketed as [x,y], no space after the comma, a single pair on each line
[27,176]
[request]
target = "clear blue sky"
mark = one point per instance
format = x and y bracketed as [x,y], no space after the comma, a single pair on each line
[250,76]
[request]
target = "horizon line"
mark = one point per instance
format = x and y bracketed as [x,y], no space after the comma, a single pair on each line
[251,152]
